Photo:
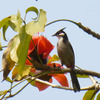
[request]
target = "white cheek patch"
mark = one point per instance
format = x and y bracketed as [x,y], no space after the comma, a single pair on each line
[61,34]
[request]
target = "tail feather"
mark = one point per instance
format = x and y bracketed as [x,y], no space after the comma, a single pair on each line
[75,82]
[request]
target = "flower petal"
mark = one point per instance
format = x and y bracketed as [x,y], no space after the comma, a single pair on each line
[61,78]
[44,47]
[42,86]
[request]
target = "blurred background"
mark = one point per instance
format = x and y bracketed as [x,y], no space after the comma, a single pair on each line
[86,48]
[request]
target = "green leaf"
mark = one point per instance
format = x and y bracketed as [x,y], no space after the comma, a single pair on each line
[89,95]
[14,47]
[98,97]
[19,49]
[0,42]
[82,76]
[3,92]
[15,22]
[17,76]
[4,21]
[19,20]
[37,26]
[26,70]
[54,58]
[5,27]
[9,80]
[32,83]
[34,9]
[22,50]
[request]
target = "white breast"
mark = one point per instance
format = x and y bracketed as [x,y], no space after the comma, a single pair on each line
[65,52]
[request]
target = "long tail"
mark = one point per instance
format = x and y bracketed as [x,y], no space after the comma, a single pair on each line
[75,82]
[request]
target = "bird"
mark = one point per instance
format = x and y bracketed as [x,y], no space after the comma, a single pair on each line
[66,56]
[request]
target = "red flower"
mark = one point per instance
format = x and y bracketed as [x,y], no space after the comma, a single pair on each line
[61,78]
[41,46]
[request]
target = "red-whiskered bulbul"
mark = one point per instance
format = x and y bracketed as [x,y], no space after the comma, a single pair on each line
[66,55]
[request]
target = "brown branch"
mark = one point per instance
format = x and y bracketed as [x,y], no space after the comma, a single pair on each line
[86,29]
[51,69]
[44,67]
[89,31]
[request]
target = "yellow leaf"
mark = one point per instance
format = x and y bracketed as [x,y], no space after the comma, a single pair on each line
[14,47]
[32,83]
[82,76]
[54,58]
[37,26]
[17,76]
[89,95]
[15,22]
[98,97]
[4,21]
[34,9]
[9,80]
[3,92]
[0,42]
[7,62]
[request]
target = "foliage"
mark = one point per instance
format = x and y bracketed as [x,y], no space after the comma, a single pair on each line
[27,56]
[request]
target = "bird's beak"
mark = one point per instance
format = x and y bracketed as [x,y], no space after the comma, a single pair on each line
[54,35]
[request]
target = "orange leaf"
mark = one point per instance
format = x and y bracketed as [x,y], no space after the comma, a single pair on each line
[44,47]
[61,78]
[42,86]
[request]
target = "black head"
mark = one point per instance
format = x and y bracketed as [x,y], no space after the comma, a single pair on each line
[61,33]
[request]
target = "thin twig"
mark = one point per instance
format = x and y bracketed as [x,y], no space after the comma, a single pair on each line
[52,85]
[57,70]
[93,80]
[20,89]
[4,46]
[62,87]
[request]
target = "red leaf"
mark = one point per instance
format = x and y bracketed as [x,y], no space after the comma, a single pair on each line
[61,78]
[42,86]
[44,47]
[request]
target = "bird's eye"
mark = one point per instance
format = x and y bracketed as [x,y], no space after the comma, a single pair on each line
[61,34]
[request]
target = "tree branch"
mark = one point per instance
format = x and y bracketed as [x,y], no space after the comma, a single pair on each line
[89,31]
[93,80]
[62,87]
[86,29]
[51,69]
